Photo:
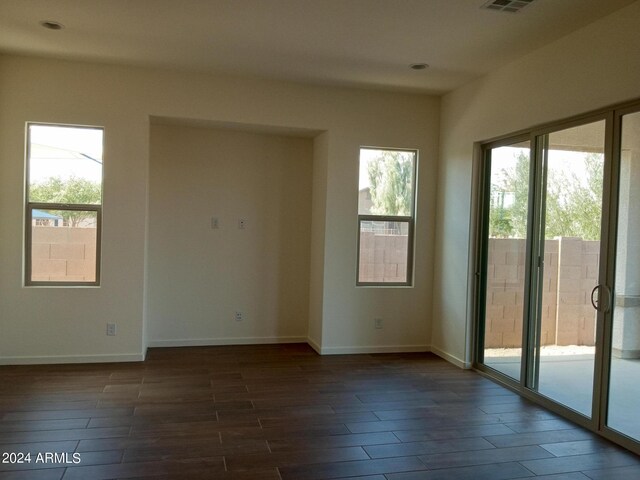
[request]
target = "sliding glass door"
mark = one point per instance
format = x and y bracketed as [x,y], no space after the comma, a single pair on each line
[624,353]
[558,269]
[505,246]
[570,204]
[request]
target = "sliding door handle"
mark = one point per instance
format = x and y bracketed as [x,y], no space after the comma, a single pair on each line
[596,301]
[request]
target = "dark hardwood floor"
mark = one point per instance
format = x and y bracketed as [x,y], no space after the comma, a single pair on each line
[284,412]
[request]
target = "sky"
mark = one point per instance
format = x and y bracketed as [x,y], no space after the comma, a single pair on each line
[61,151]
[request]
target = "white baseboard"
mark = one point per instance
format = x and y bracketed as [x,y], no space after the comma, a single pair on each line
[204,342]
[140,357]
[372,349]
[450,358]
[54,359]
[315,345]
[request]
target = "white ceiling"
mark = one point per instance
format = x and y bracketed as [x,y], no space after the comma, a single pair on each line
[365,43]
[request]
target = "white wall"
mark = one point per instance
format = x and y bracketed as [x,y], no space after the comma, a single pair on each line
[349,312]
[68,324]
[61,324]
[198,277]
[594,67]
[318,228]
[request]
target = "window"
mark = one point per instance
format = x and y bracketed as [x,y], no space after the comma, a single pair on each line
[386,201]
[63,205]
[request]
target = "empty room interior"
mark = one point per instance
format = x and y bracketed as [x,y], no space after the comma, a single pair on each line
[320,239]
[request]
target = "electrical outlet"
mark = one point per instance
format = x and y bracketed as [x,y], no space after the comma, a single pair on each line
[377,323]
[242,223]
[111,329]
[238,316]
[215,222]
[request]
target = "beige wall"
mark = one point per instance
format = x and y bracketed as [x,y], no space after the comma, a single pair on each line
[199,276]
[69,324]
[54,324]
[594,67]
[318,227]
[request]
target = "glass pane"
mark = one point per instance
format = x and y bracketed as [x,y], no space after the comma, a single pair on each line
[505,262]
[384,252]
[624,382]
[65,164]
[63,246]
[574,166]
[386,182]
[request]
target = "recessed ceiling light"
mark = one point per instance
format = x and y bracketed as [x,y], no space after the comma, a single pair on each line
[418,66]
[52,25]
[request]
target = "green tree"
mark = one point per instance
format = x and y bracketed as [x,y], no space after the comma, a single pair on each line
[390,180]
[500,224]
[509,200]
[573,202]
[72,190]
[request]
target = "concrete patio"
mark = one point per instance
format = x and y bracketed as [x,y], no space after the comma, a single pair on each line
[568,379]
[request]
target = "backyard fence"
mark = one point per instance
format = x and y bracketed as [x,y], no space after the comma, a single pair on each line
[570,273]
[63,254]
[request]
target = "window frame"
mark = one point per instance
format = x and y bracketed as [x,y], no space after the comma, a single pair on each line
[30,206]
[409,219]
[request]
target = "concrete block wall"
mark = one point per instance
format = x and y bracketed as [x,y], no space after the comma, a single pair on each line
[570,272]
[505,299]
[550,293]
[63,254]
[577,275]
[383,257]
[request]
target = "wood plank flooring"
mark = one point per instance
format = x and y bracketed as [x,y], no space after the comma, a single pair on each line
[282,412]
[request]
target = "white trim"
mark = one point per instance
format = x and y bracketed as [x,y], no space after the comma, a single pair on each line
[203,342]
[53,359]
[315,345]
[373,349]
[450,358]
[140,357]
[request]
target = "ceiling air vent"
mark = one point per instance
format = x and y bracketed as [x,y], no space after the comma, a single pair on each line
[511,6]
